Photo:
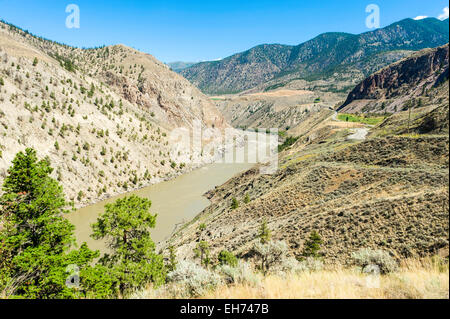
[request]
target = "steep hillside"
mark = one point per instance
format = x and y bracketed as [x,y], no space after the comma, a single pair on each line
[102,116]
[392,88]
[138,77]
[326,54]
[388,191]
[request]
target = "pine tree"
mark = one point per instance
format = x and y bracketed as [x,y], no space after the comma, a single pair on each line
[264,233]
[227,258]
[37,241]
[133,262]
[312,245]
[172,259]
[202,252]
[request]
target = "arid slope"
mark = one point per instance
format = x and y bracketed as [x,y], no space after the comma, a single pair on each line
[102,116]
[389,191]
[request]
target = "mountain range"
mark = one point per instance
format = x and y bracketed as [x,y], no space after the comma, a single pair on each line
[270,66]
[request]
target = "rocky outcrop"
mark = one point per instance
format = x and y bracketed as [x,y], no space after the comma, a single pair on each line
[406,79]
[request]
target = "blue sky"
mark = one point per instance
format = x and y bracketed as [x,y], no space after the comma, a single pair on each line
[203,30]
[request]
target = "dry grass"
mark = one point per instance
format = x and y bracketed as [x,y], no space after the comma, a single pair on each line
[411,282]
[416,279]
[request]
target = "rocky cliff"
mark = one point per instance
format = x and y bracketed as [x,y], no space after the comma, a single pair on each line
[395,84]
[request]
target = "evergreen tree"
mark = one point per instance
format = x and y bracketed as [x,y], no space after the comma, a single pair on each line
[132,262]
[202,252]
[227,258]
[312,245]
[172,259]
[234,203]
[264,233]
[36,240]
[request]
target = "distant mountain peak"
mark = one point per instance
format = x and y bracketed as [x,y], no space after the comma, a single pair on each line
[320,55]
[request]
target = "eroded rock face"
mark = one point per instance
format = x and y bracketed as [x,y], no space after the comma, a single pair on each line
[174,101]
[409,77]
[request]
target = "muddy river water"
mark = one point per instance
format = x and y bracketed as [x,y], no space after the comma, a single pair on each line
[175,201]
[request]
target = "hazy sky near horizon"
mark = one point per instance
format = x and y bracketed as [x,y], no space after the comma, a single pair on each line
[204,30]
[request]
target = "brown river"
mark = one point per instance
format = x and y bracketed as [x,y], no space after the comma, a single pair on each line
[176,201]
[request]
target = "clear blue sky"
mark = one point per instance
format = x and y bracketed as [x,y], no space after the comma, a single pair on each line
[203,30]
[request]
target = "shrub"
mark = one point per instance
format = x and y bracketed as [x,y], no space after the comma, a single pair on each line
[241,273]
[366,257]
[287,143]
[292,265]
[311,264]
[234,203]
[202,227]
[270,254]
[195,279]
[227,258]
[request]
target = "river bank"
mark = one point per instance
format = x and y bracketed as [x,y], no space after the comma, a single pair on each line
[176,201]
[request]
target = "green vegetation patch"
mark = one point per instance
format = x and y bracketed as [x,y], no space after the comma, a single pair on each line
[287,143]
[363,118]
